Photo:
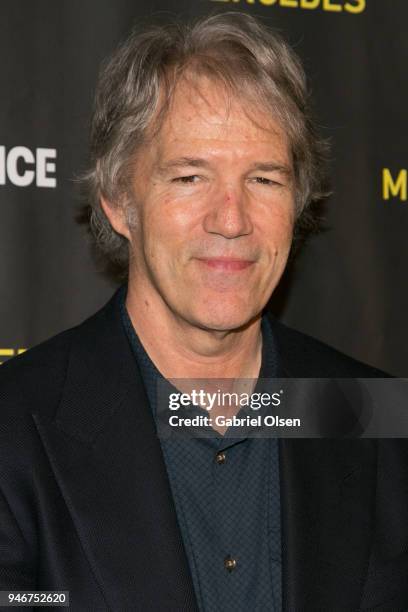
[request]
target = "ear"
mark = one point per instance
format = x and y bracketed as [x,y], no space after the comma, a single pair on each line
[116,216]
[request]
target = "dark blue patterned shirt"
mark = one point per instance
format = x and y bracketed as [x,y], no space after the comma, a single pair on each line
[226,494]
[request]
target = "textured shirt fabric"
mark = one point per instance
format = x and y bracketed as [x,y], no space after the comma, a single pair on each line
[227,509]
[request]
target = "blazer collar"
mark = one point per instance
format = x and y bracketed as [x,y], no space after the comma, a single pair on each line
[107,460]
[108,463]
[327,495]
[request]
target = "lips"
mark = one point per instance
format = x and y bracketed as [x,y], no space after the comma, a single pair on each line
[226,264]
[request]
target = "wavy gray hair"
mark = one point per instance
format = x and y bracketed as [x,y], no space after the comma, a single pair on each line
[135,88]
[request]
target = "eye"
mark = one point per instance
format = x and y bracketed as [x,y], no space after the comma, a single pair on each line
[186,179]
[261,180]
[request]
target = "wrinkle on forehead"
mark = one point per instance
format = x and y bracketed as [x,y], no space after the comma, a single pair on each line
[202,112]
[200,97]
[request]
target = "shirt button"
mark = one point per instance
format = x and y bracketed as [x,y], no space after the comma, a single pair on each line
[220,457]
[230,563]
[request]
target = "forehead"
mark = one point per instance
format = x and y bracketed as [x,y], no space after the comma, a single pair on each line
[202,112]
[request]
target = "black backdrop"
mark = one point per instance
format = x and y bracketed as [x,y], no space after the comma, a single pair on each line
[349,285]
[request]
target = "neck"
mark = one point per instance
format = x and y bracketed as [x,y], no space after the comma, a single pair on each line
[181,350]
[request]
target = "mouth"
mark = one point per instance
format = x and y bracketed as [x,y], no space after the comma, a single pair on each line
[226,264]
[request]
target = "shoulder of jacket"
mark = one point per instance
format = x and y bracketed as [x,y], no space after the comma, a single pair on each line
[36,377]
[311,357]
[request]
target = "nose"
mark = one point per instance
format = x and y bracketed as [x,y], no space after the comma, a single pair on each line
[229,215]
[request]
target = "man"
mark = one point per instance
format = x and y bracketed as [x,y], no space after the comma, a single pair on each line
[204,163]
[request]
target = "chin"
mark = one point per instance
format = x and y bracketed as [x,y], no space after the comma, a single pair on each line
[219,317]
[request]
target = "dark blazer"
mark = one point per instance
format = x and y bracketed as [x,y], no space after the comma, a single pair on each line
[85,503]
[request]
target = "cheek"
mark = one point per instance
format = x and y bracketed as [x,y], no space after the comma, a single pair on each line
[170,223]
[278,230]
[162,238]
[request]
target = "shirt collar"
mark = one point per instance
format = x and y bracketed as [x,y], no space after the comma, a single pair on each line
[150,373]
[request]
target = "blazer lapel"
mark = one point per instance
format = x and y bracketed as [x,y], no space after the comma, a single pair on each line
[107,460]
[327,505]
[328,491]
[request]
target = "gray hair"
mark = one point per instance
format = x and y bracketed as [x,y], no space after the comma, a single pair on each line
[136,86]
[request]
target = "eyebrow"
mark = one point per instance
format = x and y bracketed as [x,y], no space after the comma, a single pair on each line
[182,162]
[272,166]
[197,162]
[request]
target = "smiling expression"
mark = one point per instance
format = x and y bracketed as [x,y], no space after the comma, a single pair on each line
[213,210]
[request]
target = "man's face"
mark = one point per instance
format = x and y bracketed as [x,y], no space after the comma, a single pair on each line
[214,211]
